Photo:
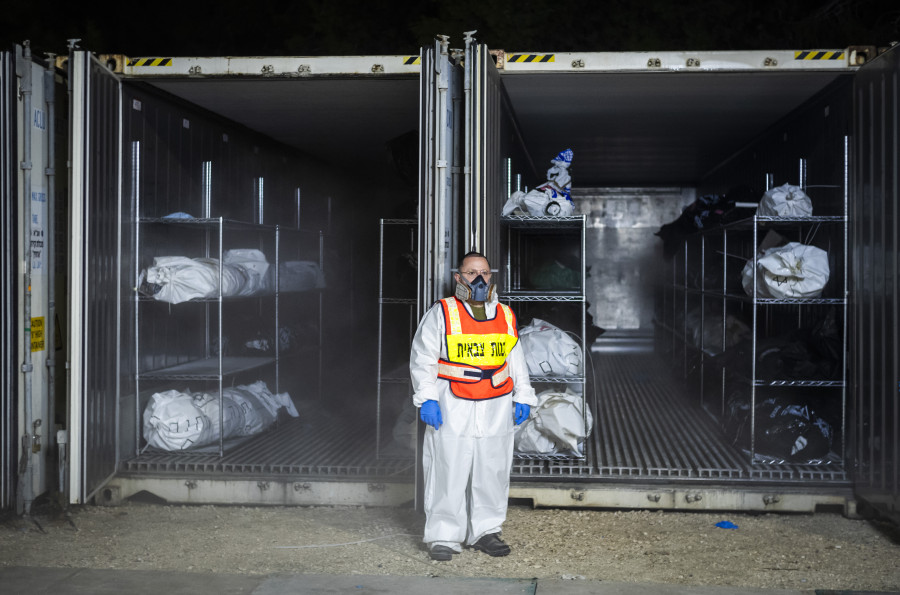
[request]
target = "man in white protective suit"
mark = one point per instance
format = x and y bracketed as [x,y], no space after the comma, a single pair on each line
[470,382]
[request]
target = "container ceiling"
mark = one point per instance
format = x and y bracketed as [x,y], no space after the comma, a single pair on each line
[626,129]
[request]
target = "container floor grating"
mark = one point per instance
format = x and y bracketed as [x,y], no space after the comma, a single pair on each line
[645,428]
[315,445]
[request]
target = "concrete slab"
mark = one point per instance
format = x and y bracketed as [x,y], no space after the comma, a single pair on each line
[77,581]
[312,584]
[586,587]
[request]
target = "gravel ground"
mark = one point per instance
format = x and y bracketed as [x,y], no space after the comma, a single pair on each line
[790,551]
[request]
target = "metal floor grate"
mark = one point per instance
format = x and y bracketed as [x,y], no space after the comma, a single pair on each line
[312,445]
[645,428]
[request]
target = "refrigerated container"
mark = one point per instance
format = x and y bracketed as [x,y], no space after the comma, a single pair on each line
[33,187]
[310,158]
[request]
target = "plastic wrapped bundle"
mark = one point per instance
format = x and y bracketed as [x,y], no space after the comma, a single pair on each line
[785,201]
[553,198]
[559,424]
[176,420]
[794,270]
[550,351]
[177,279]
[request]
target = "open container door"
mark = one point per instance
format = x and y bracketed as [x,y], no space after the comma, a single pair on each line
[439,189]
[494,151]
[438,173]
[875,262]
[94,262]
[8,291]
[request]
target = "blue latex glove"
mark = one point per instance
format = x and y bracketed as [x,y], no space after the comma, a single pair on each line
[522,412]
[430,413]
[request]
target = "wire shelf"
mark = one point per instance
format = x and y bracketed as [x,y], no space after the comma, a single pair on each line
[519,296]
[208,369]
[526,221]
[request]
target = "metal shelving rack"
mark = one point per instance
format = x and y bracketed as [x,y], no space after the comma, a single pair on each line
[516,290]
[410,302]
[215,368]
[698,359]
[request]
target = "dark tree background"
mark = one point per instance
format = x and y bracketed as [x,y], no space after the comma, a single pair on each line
[345,27]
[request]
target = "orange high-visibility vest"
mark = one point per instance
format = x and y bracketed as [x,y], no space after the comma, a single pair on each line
[476,351]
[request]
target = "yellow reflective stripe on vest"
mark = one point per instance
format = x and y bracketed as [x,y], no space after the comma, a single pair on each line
[510,327]
[470,374]
[455,324]
[500,376]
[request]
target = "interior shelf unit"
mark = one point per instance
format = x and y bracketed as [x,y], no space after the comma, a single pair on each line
[397,242]
[196,344]
[715,334]
[530,241]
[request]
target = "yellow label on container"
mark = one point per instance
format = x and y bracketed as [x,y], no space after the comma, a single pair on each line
[37,334]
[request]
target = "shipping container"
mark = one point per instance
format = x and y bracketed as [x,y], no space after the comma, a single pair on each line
[377,173]
[34,197]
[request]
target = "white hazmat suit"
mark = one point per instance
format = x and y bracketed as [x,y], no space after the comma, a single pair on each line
[467,461]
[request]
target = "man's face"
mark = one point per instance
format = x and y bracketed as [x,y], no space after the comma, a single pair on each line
[472,267]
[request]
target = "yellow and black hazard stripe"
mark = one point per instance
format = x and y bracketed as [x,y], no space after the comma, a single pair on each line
[818,55]
[531,58]
[412,61]
[150,62]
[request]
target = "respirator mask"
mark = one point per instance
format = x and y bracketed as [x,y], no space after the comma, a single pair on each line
[478,290]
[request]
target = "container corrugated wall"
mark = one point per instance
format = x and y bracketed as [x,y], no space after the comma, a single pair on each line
[875,295]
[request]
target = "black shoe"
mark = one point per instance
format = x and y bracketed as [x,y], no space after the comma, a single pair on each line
[441,553]
[492,545]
